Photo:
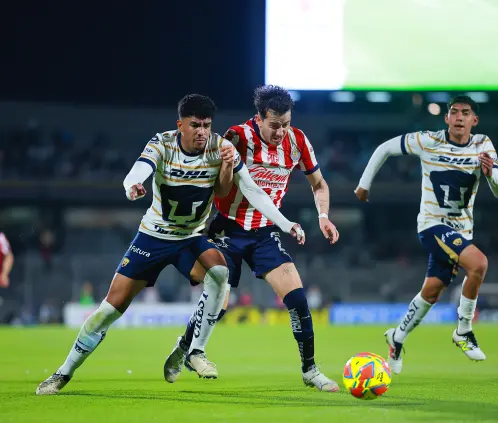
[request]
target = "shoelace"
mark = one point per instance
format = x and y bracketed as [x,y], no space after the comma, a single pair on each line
[395,352]
[471,339]
[56,377]
[203,357]
[314,371]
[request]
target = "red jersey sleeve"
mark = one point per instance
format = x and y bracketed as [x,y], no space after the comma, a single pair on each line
[307,163]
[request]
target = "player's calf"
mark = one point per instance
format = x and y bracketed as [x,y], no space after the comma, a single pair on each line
[89,337]
[302,326]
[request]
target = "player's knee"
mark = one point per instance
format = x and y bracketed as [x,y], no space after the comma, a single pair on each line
[479,266]
[482,265]
[218,274]
[432,290]
[430,297]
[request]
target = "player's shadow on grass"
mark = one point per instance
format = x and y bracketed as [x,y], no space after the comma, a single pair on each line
[241,398]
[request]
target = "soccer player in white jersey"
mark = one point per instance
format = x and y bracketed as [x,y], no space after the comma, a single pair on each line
[187,164]
[271,149]
[452,163]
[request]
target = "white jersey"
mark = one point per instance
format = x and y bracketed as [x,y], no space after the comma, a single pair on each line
[183,185]
[450,177]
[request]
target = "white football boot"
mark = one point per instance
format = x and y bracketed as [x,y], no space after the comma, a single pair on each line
[395,361]
[174,363]
[316,379]
[197,362]
[469,346]
[53,384]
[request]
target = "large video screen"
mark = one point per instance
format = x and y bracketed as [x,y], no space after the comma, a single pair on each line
[382,44]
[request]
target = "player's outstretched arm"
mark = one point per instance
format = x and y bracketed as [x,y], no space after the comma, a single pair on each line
[382,152]
[490,170]
[135,178]
[263,203]
[322,200]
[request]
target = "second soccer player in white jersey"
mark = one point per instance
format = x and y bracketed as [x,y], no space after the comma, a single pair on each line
[452,163]
[187,164]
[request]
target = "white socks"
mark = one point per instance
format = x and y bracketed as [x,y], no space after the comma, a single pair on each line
[91,334]
[417,310]
[209,306]
[466,312]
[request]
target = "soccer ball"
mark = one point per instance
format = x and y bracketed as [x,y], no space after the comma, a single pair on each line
[366,376]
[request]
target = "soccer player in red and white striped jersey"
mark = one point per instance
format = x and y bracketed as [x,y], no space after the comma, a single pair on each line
[6,261]
[270,165]
[271,148]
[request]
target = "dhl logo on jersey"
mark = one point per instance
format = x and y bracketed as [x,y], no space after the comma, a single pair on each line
[455,160]
[189,174]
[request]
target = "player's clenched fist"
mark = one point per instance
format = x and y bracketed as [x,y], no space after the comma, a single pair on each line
[486,164]
[227,154]
[362,194]
[298,233]
[135,192]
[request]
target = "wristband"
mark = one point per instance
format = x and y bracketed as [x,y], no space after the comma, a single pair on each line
[324,215]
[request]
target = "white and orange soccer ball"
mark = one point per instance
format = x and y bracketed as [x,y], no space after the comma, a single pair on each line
[367,376]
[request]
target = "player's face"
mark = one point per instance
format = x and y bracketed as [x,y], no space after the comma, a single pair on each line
[460,120]
[195,132]
[274,127]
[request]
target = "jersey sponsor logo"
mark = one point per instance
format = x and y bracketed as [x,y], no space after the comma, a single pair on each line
[269,178]
[154,140]
[457,242]
[269,175]
[447,235]
[455,225]
[149,150]
[455,160]
[140,252]
[170,232]
[189,174]
[189,161]
[125,262]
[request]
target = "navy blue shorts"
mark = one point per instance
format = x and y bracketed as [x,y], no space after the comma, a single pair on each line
[260,248]
[444,245]
[147,256]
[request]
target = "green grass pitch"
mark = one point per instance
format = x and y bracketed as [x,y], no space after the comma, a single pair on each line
[259,378]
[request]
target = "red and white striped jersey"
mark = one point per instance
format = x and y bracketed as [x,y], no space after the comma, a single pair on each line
[270,167]
[4,249]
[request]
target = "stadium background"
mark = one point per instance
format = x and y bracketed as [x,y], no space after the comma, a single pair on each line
[84,88]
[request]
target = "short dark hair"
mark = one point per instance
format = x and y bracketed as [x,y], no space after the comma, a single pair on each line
[197,105]
[464,99]
[272,97]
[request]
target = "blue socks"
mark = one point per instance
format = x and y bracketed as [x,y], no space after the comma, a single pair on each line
[302,326]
